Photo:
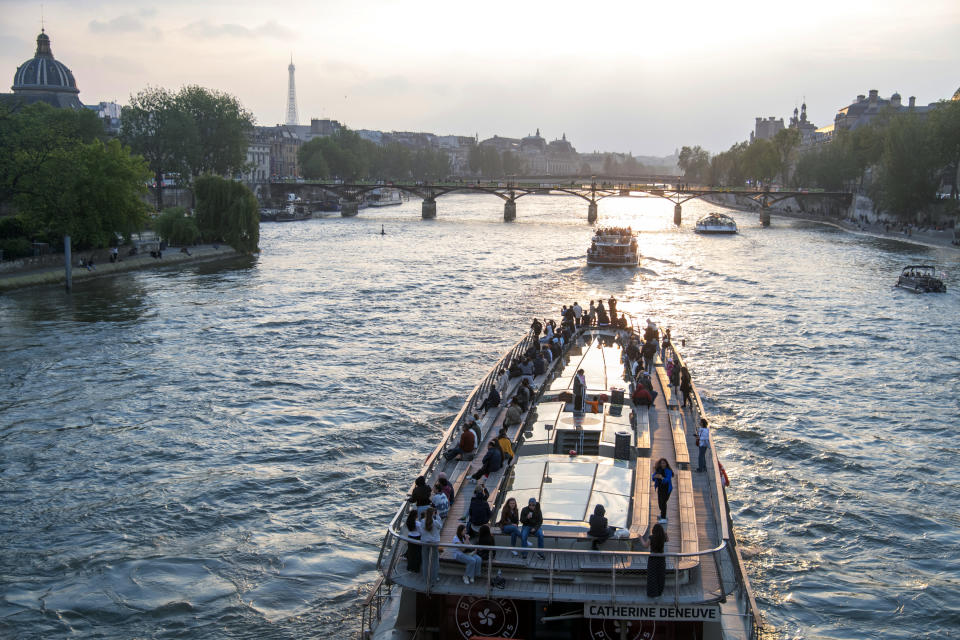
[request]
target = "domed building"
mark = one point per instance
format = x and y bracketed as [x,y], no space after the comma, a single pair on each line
[44,79]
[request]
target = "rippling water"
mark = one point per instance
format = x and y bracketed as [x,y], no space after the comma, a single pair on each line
[213,452]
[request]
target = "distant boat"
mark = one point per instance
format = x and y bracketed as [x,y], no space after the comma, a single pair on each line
[384,197]
[921,278]
[716,223]
[613,248]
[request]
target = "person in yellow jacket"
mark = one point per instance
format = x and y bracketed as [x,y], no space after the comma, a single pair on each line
[505,445]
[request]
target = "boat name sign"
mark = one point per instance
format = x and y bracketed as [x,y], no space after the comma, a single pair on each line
[652,612]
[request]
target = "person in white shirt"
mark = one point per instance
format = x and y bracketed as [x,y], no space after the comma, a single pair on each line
[703,441]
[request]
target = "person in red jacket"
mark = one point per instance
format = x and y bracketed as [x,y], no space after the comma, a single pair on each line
[467,445]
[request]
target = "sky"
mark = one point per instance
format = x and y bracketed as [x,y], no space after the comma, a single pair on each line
[630,76]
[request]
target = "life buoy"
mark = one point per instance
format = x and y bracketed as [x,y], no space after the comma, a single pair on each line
[723,475]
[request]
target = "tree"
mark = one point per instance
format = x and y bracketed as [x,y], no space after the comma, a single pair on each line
[785,142]
[945,122]
[694,162]
[30,137]
[227,211]
[908,174]
[155,126]
[176,227]
[222,126]
[90,192]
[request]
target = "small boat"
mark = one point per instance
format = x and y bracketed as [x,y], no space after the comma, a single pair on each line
[921,278]
[716,223]
[614,247]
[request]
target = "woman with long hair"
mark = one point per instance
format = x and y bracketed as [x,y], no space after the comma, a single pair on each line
[656,564]
[414,551]
[430,528]
[510,521]
[466,556]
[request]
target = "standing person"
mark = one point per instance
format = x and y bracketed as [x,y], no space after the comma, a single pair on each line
[656,564]
[430,528]
[591,314]
[579,391]
[577,312]
[536,327]
[420,495]
[532,520]
[703,441]
[599,530]
[675,378]
[686,386]
[663,482]
[612,305]
[649,351]
[466,556]
[665,344]
[414,550]
[510,521]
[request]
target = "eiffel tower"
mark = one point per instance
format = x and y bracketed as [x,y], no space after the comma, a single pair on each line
[292,95]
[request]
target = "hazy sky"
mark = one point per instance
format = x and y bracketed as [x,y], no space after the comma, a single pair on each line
[617,76]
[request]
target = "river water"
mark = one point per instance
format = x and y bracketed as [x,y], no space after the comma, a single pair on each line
[214,451]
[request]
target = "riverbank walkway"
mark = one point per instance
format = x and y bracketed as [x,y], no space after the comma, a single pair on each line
[55,275]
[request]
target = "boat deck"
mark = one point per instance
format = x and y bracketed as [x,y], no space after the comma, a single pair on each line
[569,571]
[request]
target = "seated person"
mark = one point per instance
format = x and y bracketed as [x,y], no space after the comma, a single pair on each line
[515,371]
[506,447]
[594,404]
[492,401]
[524,394]
[647,383]
[641,396]
[599,530]
[539,365]
[514,414]
[492,461]
[467,445]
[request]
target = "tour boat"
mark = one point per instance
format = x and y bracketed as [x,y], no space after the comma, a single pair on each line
[384,197]
[921,278]
[716,223]
[613,248]
[570,461]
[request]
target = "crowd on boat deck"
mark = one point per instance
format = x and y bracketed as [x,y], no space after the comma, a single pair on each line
[430,507]
[625,233]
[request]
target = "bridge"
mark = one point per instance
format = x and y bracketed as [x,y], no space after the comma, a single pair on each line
[510,191]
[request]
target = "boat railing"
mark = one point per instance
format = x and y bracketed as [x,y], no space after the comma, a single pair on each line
[622,563]
[732,564]
[372,607]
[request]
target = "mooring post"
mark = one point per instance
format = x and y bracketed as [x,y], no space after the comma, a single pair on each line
[676,214]
[592,212]
[68,267]
[510,210]
[428,210]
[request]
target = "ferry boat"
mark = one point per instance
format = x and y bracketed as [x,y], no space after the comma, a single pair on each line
[921,278]
[569,462]
[716,223]
[616,247]
[384,197]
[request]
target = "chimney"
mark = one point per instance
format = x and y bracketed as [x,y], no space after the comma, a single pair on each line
[861,98]
[913,101]
[895,101]
[873,95]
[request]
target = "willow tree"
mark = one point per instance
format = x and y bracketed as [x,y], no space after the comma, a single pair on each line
[227,211]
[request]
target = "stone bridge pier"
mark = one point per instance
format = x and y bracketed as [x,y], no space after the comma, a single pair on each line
[510,210]
[677,214]
[592,212]
[765,217]
[349,208]
[428,210]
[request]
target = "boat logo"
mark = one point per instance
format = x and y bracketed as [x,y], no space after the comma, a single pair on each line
[616,629]
[486,617]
